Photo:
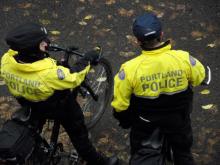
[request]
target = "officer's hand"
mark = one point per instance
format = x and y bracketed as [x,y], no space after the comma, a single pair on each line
[79,66]
[124,118]
[92,57]
[125,125]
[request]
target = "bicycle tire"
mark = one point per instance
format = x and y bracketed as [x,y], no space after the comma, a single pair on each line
[97,78]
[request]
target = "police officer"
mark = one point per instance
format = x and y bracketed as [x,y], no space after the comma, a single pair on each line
[38,81]
[154,90]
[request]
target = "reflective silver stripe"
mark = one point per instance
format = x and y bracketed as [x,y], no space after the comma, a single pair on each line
[166,93]
[209,75]
[146,120]
[44,30]
[150,33]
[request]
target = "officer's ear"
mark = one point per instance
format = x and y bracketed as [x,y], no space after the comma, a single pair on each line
[160,37]
[43,45]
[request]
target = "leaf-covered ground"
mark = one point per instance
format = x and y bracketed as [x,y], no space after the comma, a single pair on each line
[191,25]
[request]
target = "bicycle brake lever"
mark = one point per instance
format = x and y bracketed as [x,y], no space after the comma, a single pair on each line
[98,49]
[54,47]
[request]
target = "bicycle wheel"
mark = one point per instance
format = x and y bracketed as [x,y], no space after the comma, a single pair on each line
[100,80]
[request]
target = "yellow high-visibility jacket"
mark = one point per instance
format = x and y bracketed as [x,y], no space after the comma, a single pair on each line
[37,81]
[156,72]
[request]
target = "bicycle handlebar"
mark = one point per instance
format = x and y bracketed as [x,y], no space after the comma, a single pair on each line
[69,51]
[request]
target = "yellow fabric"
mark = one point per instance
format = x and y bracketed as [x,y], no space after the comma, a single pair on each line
[155,72]
[37,81]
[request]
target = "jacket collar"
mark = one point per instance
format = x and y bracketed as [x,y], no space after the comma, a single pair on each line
[157,50]
[28,67]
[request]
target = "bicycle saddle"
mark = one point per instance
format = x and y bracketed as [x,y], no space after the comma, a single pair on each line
[22,115]
[155,141]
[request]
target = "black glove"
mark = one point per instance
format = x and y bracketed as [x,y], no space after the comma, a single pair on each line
[79,66]
[92,57]
[124,118]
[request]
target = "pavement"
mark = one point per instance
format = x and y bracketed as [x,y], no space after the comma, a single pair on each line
[191,25]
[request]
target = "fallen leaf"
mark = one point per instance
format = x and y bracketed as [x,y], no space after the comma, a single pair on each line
[55,32]
[148,7]
[132,39]
[126,54]
[213,109]
[92,71]
[160,14]
[162,4]
[24,5]
[208,106]
[88,17]
[196,34]
[45,21]
[212,45]
[110,2]
[104,140]
[83,23]
[106,29]
[181,7]
[123,156]
[102,32]
[110,16]
[205,92]
[198,39]
[124,12]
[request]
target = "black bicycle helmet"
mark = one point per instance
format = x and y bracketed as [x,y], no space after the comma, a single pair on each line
[147,27]
[26,37]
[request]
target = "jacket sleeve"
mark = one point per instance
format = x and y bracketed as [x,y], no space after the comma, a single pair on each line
[197,71]
[122,91]
[61,78]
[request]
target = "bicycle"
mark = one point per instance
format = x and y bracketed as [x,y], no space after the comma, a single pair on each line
[88,90]
[95,91]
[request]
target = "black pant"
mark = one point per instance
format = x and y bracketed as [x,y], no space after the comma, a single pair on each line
[177,129]
[67,111]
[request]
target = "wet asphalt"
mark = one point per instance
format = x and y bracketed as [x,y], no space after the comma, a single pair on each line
[191,25]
